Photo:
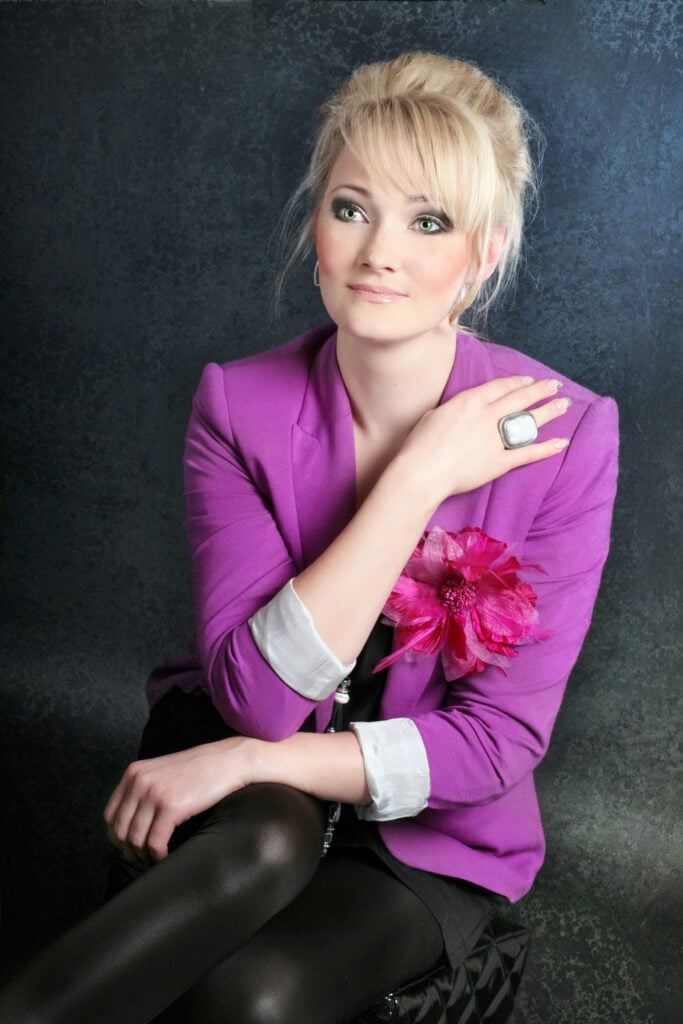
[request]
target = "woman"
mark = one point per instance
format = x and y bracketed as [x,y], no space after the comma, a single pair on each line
[390,446]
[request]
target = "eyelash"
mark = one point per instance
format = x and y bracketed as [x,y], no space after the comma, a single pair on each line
[441,221]
[338,207]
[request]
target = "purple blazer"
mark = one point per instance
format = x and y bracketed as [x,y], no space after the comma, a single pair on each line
[270,482]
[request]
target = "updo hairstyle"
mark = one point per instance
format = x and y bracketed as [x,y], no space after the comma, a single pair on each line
[440,128]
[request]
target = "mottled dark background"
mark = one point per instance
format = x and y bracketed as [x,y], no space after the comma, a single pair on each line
[148,149]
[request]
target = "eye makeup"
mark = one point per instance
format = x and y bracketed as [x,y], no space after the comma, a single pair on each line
[346,210]
[339,206]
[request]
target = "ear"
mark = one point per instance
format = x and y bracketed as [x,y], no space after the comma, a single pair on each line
[493,253]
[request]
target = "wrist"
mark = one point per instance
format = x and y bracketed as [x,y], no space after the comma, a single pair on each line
[277,760]
[413,488]
[260,757]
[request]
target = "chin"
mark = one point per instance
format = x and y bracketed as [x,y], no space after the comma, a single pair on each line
[394,330]
[379,336]
[383,325]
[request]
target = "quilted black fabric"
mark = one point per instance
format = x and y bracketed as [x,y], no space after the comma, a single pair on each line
[481,990]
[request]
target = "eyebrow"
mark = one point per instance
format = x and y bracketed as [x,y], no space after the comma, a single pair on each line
[365,192]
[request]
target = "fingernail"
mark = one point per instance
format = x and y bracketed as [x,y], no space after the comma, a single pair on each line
[556,384]
[564,403]
[527,380]
[562,442]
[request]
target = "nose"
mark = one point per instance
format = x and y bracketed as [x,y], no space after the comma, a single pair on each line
[379,251]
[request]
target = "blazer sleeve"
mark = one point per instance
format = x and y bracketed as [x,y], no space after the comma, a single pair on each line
[239,561]
[494,728]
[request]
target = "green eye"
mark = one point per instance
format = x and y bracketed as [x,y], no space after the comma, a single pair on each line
[347,211]
[428,225]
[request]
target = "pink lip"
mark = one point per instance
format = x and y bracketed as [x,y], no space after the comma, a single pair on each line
[374,294]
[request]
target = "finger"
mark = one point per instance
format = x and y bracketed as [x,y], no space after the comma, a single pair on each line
[536,452]
[131,856]
[551,410]
[127,850]
[139,830]
[160,832]
[494,390]
[120,812]
[524,397]
[113,804]
[119,827]
[123,845]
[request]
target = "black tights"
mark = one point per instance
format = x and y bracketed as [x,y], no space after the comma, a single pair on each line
[241,924]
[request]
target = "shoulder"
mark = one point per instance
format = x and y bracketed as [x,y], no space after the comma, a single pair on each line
[274,380]
[506,361]
[591,415]
[284,364]
[561,504]
[586,472]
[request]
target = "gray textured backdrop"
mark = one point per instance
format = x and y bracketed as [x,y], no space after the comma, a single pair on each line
[148,149]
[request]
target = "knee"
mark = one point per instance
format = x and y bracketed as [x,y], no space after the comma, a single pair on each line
[287,826]
[248,995]
[266,832]
[263,1006]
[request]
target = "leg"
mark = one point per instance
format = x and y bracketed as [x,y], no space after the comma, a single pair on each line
[351,936]
[254,853]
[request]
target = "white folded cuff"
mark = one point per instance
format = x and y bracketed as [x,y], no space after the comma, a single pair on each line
[396,768]
[285,634]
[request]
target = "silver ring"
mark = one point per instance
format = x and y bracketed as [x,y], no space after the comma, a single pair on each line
[517,430]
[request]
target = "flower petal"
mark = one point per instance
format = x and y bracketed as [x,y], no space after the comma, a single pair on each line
[497,610]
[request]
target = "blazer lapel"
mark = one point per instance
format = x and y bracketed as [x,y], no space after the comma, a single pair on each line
[323,456]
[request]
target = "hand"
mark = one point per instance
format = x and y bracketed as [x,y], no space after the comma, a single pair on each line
[456,447]
[156,795]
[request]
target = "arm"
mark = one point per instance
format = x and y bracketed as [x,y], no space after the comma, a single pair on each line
[224,503]
[454,449]
[240,560]
[493,729]
[156,795]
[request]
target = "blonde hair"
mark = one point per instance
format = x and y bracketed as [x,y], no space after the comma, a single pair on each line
[439,127]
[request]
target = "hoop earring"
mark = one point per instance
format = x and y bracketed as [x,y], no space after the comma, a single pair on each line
[316,274]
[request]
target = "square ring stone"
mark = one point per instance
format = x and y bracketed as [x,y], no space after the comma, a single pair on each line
[518,429]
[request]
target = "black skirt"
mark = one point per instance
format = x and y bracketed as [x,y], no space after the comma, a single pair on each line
[181,720]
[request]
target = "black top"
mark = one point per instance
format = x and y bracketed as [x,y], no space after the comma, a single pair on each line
[461,908]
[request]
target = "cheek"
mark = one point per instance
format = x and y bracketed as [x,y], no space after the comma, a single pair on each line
[325,250]
[335,245]
[445,273]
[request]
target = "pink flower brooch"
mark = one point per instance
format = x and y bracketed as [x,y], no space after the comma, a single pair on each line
[460,595]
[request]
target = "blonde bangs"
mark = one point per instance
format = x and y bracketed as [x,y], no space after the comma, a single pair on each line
[419,148]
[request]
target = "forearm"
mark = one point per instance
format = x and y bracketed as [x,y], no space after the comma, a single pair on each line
[451,450]
[346,588]
[156,795]
[328,765]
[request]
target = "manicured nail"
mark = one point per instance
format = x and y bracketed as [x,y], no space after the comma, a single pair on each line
[527,380]
[556,384]
[564,403]
[562,442]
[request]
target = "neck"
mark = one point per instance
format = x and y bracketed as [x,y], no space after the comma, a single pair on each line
[391,386]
